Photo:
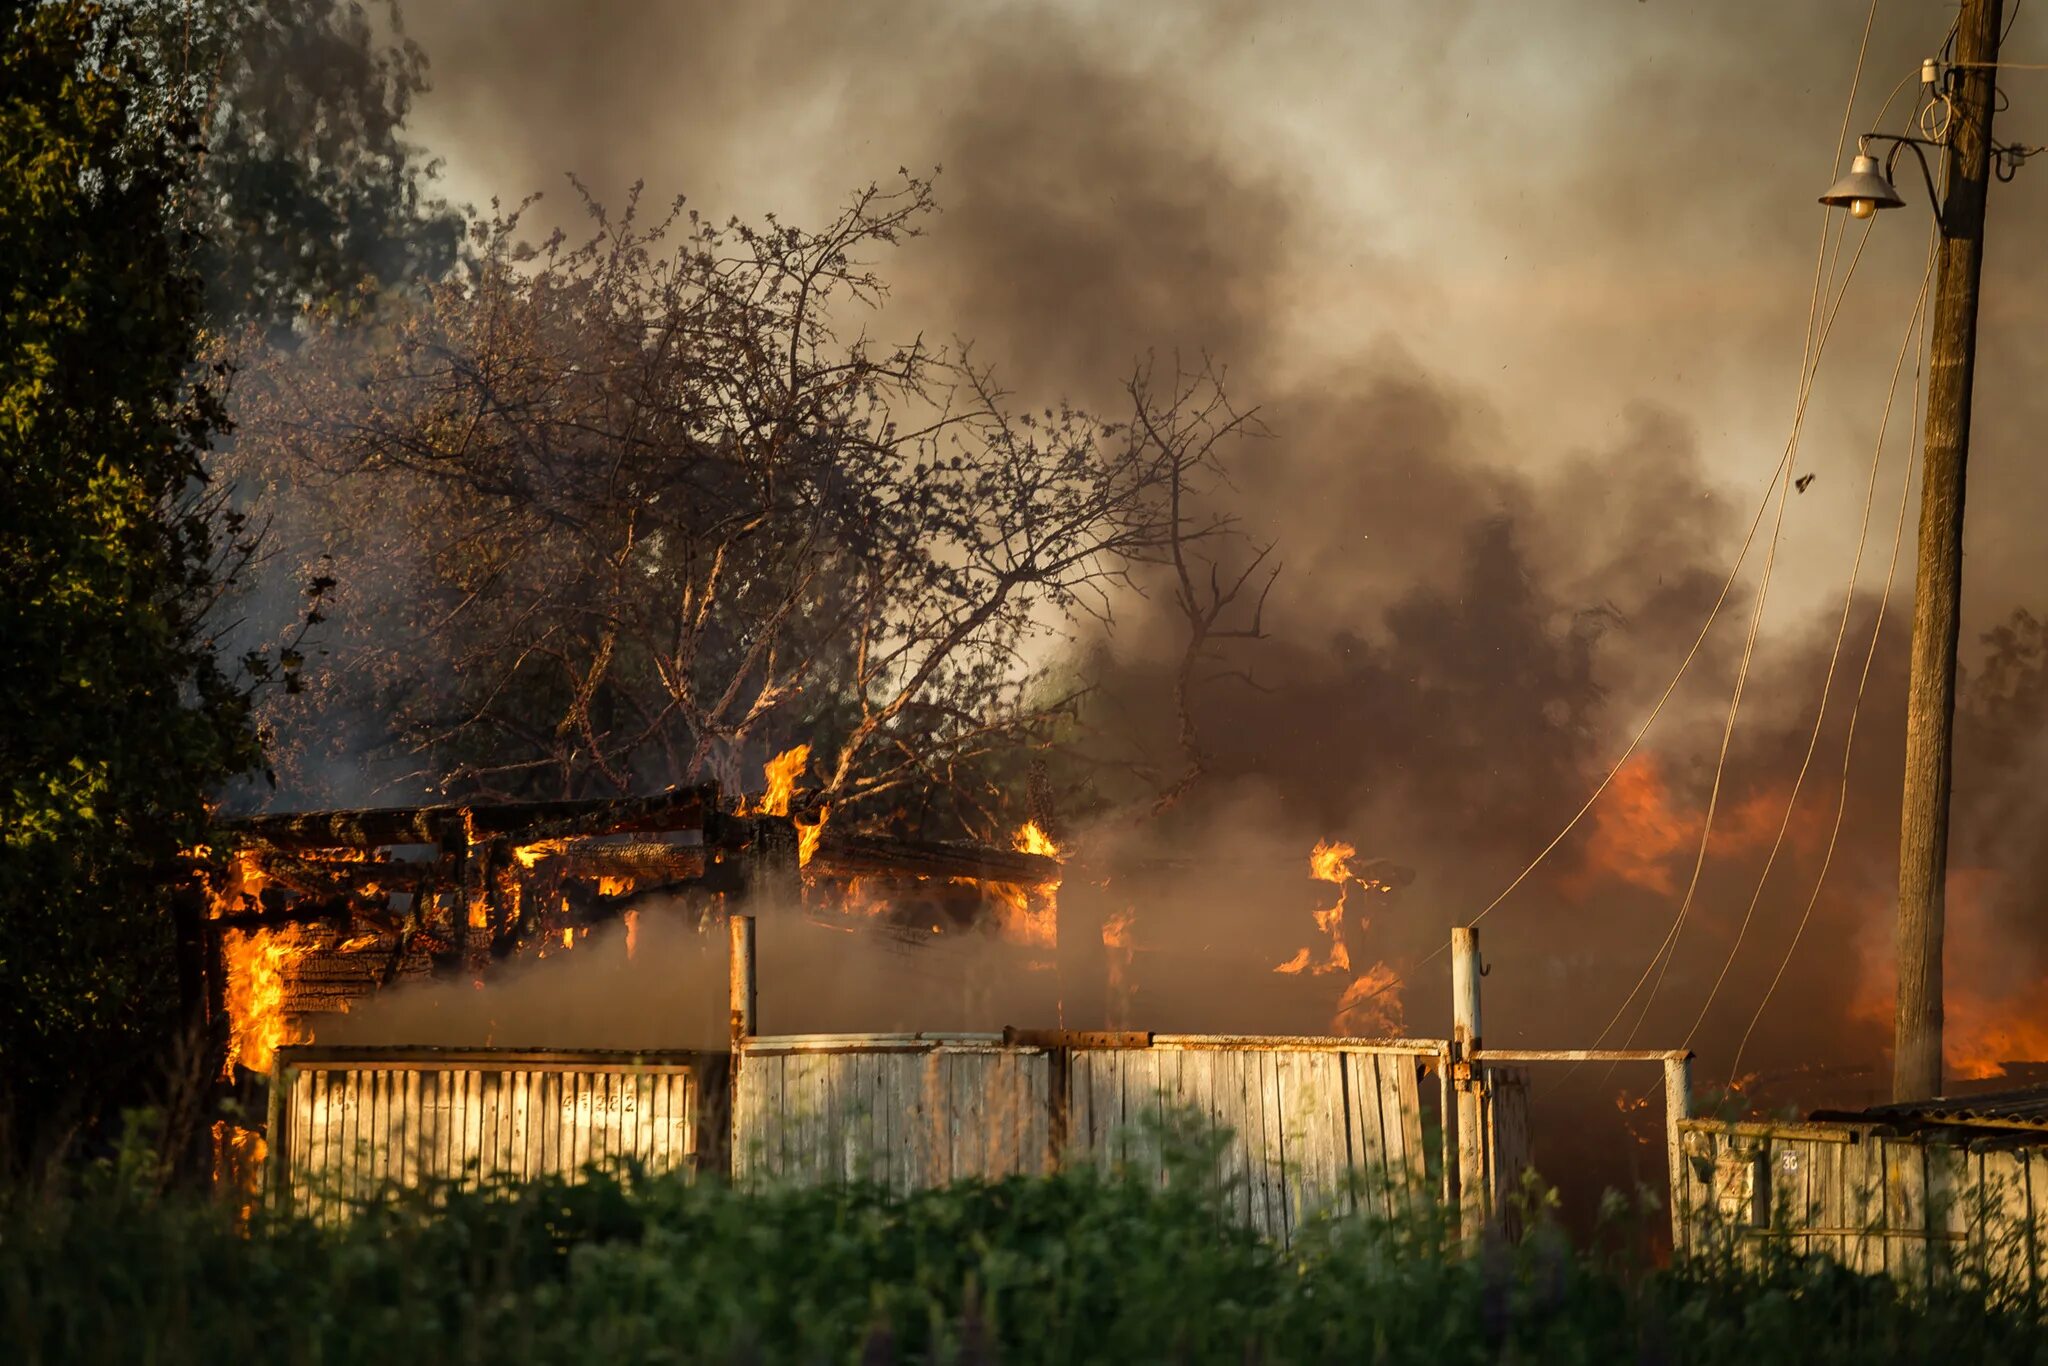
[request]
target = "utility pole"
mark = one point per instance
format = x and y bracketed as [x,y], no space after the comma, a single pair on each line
[1931,698]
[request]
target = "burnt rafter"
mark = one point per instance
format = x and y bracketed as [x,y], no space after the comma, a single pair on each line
[877,856]
[683,808]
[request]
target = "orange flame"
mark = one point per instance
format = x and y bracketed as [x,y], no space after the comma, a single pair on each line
[256,963]
[1371,1005]
[1329,861]
[238,1161]
[2001,1016]
[808,835]
[632,933]
[530,854]
[1637,830]
[1030,915]
[781,774]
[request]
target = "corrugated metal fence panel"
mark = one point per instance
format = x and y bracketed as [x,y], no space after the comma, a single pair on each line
[1912,1206]
[1312,1128]
[358,1129]
[903,1117]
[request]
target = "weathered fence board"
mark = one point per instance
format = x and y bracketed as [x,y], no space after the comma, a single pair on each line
[350,1125]
[1920,1206]
[1315,1125]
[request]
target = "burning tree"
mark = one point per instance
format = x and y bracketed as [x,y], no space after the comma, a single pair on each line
[639,511]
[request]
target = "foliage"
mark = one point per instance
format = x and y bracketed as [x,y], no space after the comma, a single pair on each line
[1078,1267]
[120,718]
[308,195]
[631,513]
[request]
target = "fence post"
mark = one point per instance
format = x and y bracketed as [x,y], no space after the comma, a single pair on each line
[740,980]
[1677,1107]
[1474,1197]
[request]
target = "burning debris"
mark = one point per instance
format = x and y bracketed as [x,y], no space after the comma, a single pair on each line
[316,911]
[1371,1003]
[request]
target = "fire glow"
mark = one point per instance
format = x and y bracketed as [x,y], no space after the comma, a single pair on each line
[1371,1003]
[257,961]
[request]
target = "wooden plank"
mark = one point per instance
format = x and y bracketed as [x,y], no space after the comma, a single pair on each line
[968,1117]
[1407,1160]
[1080,1145]
[665,1150]
[2036,1164]
[1322,1123]
[1953,1204]
[1036,1154]
[1267,1190]
[906,1118]
[1863,1206]
[1137,1097]
[1370,1165]
[1906,1211]
[473,1096]
[1229,1088]
[301,1139]
[2002,1176]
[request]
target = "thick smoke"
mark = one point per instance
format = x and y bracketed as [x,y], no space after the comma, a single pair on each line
[1521,296]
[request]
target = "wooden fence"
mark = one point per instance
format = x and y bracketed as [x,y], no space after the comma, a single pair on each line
[1315,1124]
[347,1124]
[1917,1206]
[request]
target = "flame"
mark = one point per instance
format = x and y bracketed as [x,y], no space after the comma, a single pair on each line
[809,834]
[1029,915]
[2000,1016]
[238,1160]
[256,963]
[1371,1005]
[1637,831]
[530,854]
[1329,861]
[608,885]
[781,774]
[1030,839]
[632,933]
[568,936]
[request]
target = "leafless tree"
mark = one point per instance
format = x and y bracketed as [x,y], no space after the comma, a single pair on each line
[636,511]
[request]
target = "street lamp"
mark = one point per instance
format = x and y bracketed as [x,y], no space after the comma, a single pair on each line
[1864,190]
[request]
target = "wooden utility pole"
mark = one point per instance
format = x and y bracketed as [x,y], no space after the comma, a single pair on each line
[1931,699]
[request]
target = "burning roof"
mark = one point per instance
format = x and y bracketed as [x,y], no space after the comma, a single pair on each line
[315,910]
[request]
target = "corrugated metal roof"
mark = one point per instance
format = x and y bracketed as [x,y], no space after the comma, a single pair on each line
[2024,1109]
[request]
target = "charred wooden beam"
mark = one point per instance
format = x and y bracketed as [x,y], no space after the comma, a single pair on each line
[670,862]
[681,808]
[842,855]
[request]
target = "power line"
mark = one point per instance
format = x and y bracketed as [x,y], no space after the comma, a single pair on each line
[1660,961]
[1667,950]
[1835,656]
[1862,683]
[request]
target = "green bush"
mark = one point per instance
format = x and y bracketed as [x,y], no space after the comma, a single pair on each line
[1078,1267]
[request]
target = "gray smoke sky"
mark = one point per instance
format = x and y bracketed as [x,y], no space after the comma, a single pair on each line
[1522,287]
[1564,211]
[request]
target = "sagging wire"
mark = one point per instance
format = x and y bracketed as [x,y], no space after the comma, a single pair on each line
[1913,326]
[1863,682]
[1660,961]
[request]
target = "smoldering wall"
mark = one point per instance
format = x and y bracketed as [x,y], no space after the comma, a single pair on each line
[1525,392]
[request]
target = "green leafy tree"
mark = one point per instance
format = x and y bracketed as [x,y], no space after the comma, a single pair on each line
[120,718]
[307,194]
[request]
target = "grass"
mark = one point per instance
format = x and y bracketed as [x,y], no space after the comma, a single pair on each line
[1077,1267]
